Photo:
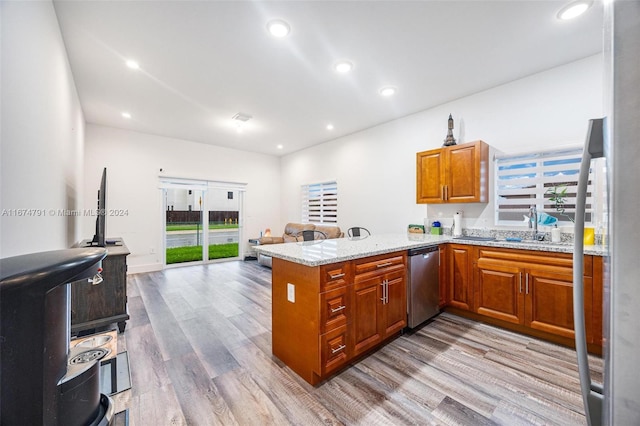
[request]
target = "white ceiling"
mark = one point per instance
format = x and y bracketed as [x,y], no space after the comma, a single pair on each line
[201,62]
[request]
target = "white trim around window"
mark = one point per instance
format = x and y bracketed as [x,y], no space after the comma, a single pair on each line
[525,180]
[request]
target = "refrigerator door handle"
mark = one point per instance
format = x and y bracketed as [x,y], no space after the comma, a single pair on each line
[593,400]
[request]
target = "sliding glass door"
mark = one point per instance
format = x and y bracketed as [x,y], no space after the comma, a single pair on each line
[184,230]
[224,223]
[202,221]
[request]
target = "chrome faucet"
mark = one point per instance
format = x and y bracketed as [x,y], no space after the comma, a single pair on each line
[533,217]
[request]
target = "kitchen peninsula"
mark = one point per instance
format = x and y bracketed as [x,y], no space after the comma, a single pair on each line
[334,301]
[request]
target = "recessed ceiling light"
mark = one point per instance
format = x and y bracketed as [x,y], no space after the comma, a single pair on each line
[343,67]
[278,28]
[387,91]
[133,64]
[329,126]
[574,9]
[280,146]
[126,115]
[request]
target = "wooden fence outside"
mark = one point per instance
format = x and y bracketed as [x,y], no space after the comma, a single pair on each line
[185,216]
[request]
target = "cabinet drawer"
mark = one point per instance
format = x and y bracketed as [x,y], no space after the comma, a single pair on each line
[560,262]
[334,309]
[333,350]
[380,263]
[334,275]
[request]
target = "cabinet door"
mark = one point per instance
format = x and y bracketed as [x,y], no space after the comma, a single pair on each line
[499,292]
[466,179]
[460,266]
[395,306]
[549,302]
[103,303]
[430,176]
[366,330]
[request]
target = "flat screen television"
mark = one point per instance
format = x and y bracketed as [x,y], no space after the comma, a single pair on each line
[101,213]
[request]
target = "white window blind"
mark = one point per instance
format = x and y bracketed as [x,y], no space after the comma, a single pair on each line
[320,202]
[526,180]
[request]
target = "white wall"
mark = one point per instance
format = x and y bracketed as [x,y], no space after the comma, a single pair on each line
[133,161]
[376,170]
[42,133]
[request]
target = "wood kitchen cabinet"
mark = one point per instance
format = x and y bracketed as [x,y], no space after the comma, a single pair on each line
[460,260]
[326,316]
[379,300]
[453,174]
[335,312]
[443,273]
[531,289]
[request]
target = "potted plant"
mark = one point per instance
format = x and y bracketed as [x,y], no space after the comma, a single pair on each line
[558,196]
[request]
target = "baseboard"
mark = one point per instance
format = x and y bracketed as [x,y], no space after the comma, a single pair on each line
[138,269]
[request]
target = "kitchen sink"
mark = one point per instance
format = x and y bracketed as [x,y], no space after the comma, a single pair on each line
[473,238]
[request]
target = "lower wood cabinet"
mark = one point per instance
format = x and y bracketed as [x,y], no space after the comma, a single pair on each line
[532,289]
[334,353]
[499,292]
[443,274]
[379,308]
[523,290]
[326,316]
[460,260]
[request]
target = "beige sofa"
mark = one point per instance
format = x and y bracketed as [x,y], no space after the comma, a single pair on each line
[293,233]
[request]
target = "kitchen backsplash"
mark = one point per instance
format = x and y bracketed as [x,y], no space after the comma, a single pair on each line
[567,238]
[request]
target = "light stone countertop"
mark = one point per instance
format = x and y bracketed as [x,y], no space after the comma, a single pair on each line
[323,252]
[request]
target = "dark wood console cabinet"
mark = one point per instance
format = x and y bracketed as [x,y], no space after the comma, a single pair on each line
[102,304]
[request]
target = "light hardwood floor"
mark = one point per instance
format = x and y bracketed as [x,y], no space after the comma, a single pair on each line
[199,344]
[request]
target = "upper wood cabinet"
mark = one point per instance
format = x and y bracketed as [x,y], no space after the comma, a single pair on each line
[453,174]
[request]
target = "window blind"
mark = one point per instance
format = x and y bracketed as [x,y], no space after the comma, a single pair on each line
[526,180]
[320,202]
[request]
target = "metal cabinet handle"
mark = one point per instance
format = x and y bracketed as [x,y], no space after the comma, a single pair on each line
[333,277]
[527,283]
[384,265]
[442,193]
[338,309]
[520,282]
[386,291]
[96,279]
[338,349]
[446,192]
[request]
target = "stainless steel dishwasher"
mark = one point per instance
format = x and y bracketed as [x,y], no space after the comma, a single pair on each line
[423,289]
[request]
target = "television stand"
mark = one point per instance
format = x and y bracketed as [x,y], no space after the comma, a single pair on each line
[94,306]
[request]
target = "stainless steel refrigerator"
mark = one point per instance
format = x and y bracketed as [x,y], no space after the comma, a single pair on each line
[617,138]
